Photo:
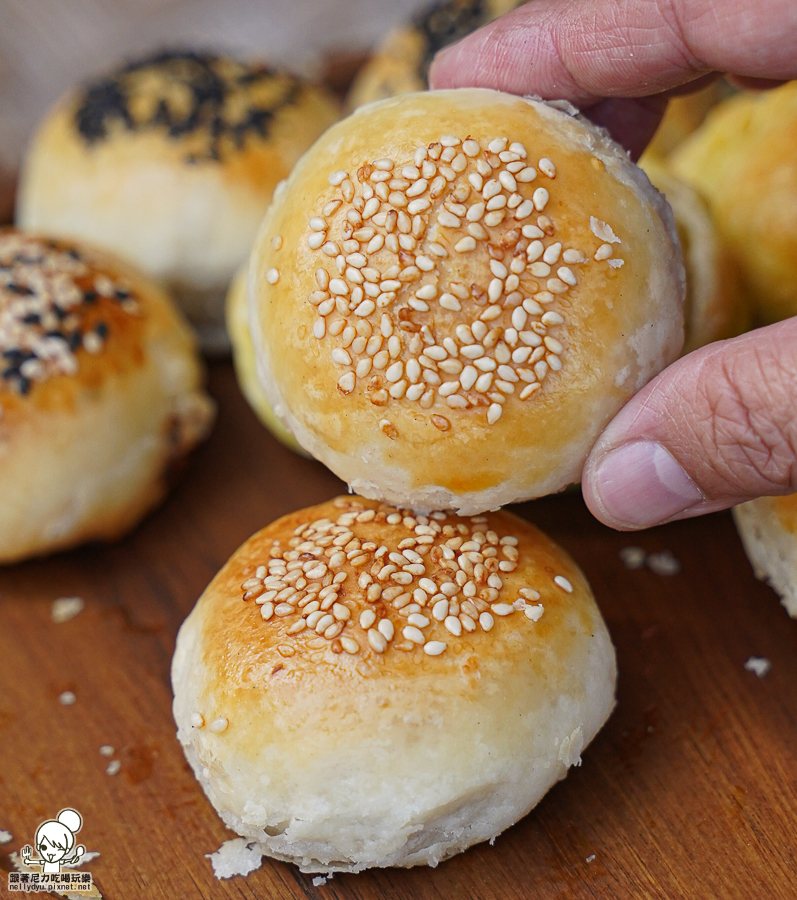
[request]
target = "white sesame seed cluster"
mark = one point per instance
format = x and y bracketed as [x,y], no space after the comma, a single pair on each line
[45,289]
[398,325]
[437,577]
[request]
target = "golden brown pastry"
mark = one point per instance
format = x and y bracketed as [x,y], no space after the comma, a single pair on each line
[768,529]
[100,393]
[171,162]
[742,161]
[360,686]
[715,306]
[455,291]
[401,64]
[243,355]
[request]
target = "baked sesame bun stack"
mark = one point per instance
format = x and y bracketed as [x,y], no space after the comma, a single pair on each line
[768,529]
[715,307]
[243,355]
[742,161]
[455,291]
[361,686]
[401,63]
[171,161]
[100,394]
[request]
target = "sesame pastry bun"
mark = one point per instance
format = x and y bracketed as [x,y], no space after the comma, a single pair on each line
[455,292]
[243,355]
[171,161]
[768,529]
[401,63]
[360,686]
[715,307]
[742,161]
[101,392]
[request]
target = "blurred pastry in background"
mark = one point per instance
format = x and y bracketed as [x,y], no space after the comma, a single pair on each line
[100,395]
[715,307]
[171,161]
[401,63]
[243,355]
[768,529]
[684,115]
[743,161]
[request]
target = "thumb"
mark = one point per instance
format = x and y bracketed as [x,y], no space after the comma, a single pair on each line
[714,429]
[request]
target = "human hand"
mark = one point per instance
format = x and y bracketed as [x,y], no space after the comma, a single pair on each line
[717,427]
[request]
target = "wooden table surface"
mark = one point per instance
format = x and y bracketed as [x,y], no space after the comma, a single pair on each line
[689,791]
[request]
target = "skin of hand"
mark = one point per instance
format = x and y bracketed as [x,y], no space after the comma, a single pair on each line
[717,427]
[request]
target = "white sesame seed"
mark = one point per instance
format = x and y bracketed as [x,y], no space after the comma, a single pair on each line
[547,167]
[563,583]
[507,179]
[552,252]
[556,286]
[540,199]
[377,640]
[219,725]
[349,645]
[367,618]
[434,648]
[491,189]
[272,276]
[197,721]
[337,178]
[572,256]
[604,252]
[386,629]
[411,633]
[494,413]
[471,148]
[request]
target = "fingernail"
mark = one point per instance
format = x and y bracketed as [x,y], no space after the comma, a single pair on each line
[642,484]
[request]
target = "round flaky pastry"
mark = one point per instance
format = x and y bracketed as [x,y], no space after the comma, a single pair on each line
[170,161]
[101,392]
[360,686]
[455,291]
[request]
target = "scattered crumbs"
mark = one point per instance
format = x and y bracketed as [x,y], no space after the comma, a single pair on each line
[591,857]
[633,557]
[6,837]
[66,608]
[106,750]
[236,857]
[759,665]
[321,880]
[663,563]
[67,698]
[615,263]
[113,767]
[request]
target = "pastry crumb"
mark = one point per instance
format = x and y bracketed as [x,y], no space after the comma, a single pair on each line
[66,608]
[758,665]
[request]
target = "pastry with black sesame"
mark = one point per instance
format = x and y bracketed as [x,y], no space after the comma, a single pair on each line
[171,162]
[455,291]
[100,395]
[361,686]
[401,63]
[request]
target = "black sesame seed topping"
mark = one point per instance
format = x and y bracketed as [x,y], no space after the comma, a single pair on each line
[195,89]
[444,23]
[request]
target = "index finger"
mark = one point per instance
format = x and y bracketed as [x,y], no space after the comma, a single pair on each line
[588,50]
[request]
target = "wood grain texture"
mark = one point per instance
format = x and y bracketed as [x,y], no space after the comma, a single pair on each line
[689,791]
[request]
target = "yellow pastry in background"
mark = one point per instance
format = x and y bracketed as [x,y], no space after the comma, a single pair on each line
[743,161]
[715,307]
[401,64]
